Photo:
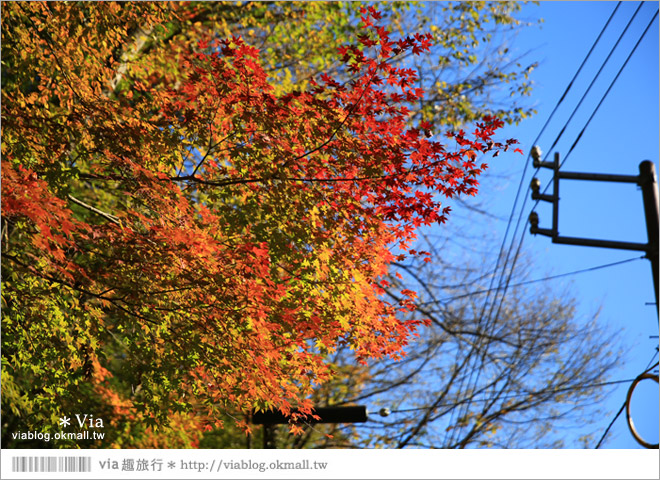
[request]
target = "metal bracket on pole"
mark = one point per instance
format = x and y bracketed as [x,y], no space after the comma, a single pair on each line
[356,414]
[351,414]
[649,185]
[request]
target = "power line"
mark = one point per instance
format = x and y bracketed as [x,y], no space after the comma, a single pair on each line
[527,282]
[515,259]
[520,242]
[522,395]
[515,202]
[566,157]
[513,209]
[648,366]
[577,139]
[610,87]
[570,118]
[586,92]
[607,430]
[522,210]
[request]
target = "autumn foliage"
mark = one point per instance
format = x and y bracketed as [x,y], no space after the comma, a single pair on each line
[192,241]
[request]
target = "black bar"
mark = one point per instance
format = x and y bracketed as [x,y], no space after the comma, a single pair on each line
[539,164]
[600,177]
[649,186]
[590,242]
[541,231]
[356,414]
[543,196]
[555,203]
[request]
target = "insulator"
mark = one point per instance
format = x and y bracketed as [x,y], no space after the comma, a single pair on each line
[535,185]
[534,219]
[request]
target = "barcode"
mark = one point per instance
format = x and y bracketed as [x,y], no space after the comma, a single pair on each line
[51,464]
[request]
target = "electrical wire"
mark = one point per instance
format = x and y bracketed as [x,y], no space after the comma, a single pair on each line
[564,160]
[515,258]
[610,87]
[515,202]
[559,390]
[547,122]
[593,81]
[522,210]
[544,279]
[584,128]
[577,139]
[607,430]
[522,395]
[513,209]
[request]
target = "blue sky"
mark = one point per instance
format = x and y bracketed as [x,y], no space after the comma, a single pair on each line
[622,133]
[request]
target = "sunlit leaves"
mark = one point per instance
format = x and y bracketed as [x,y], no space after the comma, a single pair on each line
[198,237]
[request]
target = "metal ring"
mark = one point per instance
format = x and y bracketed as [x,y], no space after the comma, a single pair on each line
[631,426]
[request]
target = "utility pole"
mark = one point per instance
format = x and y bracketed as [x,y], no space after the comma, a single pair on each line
[649,185]
[646,180]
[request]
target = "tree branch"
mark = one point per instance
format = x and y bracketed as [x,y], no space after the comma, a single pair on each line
[107,216]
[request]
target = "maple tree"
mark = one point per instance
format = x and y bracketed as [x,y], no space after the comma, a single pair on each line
[463,73]
[520,413]
[197,242]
